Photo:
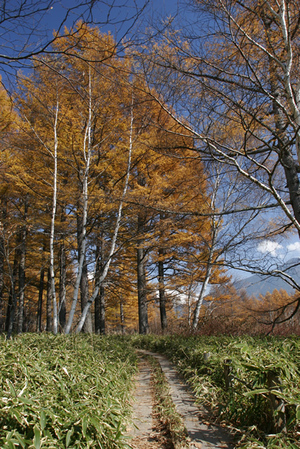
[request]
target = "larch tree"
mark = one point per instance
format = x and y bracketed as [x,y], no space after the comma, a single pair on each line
[97,77]
[13,225]
[38,101]
[69,118]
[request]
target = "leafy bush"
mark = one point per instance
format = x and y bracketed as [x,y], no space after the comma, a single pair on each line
[64,391]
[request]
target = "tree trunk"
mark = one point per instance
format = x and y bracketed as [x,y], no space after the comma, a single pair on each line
[162,295]
[122,317]
[40,303]
[115,233]
[49,303]
[22,284]
[2,259]
[142,292]
[82,215]
[141,278]
[12,300]
[52,227]
[100,312]
[10,317]
[290,165]
[201,295]
[62,286]
[1,281]
[84,286]
[22,252]
[84,296]
[100,299]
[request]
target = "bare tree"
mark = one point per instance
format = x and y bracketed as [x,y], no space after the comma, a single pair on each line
[232,71]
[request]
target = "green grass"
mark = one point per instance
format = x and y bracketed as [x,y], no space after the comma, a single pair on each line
[64,391]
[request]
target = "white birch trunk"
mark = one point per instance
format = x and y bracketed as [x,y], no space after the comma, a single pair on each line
[87,144]
[215,223]
[201,295]
[115,235]
[52,229]
[293,92]
[53,153]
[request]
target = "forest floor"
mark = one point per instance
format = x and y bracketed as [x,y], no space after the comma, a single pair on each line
[149,430]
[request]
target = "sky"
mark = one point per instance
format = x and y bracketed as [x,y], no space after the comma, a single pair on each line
[289,250]
[123,9]
[13,30]
[31,32]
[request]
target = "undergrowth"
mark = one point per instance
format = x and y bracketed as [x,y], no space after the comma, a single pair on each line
[64,391]
[73,391]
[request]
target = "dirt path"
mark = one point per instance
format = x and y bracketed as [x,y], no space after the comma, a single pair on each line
[147,432]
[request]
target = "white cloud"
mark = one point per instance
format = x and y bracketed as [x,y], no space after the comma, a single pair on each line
[294,246]
[267,246]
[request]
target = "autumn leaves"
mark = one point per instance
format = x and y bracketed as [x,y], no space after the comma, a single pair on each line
[106,182]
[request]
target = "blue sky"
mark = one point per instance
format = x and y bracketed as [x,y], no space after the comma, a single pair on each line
[123,9]
[32,32]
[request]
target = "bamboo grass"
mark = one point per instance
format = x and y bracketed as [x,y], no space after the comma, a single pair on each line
[65,392]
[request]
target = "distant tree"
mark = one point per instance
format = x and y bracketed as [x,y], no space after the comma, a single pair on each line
[275,309]
[226,312]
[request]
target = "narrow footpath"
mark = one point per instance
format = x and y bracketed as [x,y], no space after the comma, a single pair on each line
[146,432]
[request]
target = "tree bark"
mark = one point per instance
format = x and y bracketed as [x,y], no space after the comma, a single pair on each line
[201,295]
[49,303]
[40,302]
[62,286]
[84,296]
[12,300]
[1,281]
[2,259]
[52,227]
[100,299]
[122,317]
[141,279]
[84,286]
[162,293]
[289,163]
[22,252]
[100,312]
